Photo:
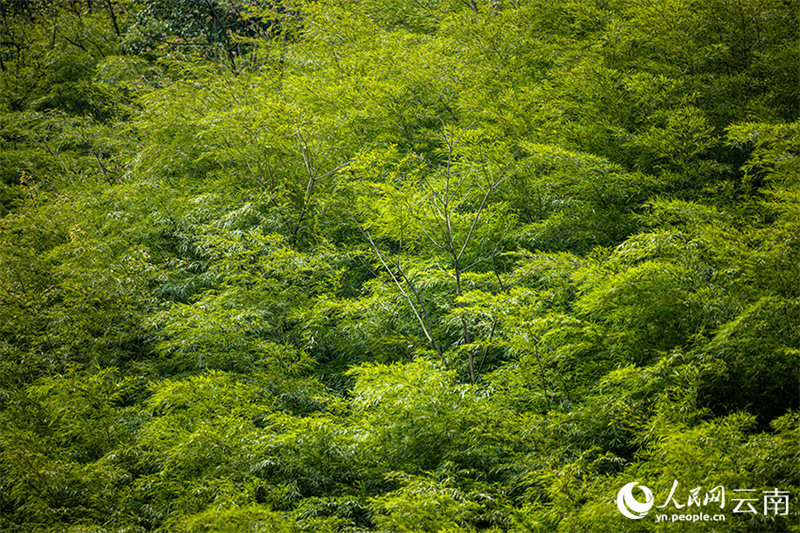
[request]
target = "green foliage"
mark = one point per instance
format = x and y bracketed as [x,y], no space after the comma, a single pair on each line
[222,30]
[443,265]
[252,518]
[57,437]
[413,416]
[423,505]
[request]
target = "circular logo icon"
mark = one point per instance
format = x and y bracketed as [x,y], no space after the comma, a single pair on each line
[630,506]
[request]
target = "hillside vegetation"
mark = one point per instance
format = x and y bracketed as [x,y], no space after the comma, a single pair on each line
[431,265]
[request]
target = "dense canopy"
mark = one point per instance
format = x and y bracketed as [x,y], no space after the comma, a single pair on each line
[431,265]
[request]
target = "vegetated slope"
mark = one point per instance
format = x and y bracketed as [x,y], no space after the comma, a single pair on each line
[396,266]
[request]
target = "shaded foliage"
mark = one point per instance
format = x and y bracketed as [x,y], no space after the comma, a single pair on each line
[395,266]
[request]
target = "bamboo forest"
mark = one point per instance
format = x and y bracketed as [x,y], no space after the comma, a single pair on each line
[399,266]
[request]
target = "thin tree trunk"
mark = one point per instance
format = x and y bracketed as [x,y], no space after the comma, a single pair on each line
[113,16]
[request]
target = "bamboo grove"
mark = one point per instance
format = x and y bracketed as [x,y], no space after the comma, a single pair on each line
[438,265]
